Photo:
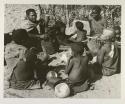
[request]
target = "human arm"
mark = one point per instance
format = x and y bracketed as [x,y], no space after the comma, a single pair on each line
[61,40]
[89,55]
[43,56]
[69,66]
[77,39]
[100,55]
[90,19]
[36,35]
[30,55]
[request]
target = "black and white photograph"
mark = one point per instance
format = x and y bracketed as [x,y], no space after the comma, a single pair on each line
[62,51]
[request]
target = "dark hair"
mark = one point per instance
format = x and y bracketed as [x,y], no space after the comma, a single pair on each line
[79,25]
[97,8]
[30,10]
[77,48]
[19,36]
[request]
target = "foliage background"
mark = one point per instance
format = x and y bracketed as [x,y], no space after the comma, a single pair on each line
[15,13]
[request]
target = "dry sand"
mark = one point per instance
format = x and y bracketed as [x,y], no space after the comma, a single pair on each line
[106,87]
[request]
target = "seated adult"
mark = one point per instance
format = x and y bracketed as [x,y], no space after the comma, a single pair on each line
[34,27]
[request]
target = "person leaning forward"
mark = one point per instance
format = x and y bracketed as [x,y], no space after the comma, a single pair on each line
[34,27]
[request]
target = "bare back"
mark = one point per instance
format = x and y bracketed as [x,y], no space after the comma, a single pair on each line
[79,69]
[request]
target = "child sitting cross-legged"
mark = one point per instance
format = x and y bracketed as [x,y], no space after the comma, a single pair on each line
[77,68]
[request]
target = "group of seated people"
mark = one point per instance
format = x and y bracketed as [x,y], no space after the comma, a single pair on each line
[27,55]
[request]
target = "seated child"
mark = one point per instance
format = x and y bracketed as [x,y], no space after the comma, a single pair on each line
[21,62]
[81,33]
[107,55]
[77,69]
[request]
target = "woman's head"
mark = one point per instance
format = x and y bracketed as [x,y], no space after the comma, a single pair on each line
[108,35]
[20,36]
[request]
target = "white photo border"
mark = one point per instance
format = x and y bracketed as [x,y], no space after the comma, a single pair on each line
[67,100]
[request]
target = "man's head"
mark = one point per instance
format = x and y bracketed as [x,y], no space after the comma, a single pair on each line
[79,25]
[96,10]
[31,15]
[77,49]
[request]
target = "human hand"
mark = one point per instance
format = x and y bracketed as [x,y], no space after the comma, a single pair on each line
[63,75]
[94,60]
[41,36]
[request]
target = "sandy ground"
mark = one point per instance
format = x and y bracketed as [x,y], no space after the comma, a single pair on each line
[106,87]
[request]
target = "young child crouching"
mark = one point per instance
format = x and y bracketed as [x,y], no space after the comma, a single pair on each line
[21,62]
[77,70]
